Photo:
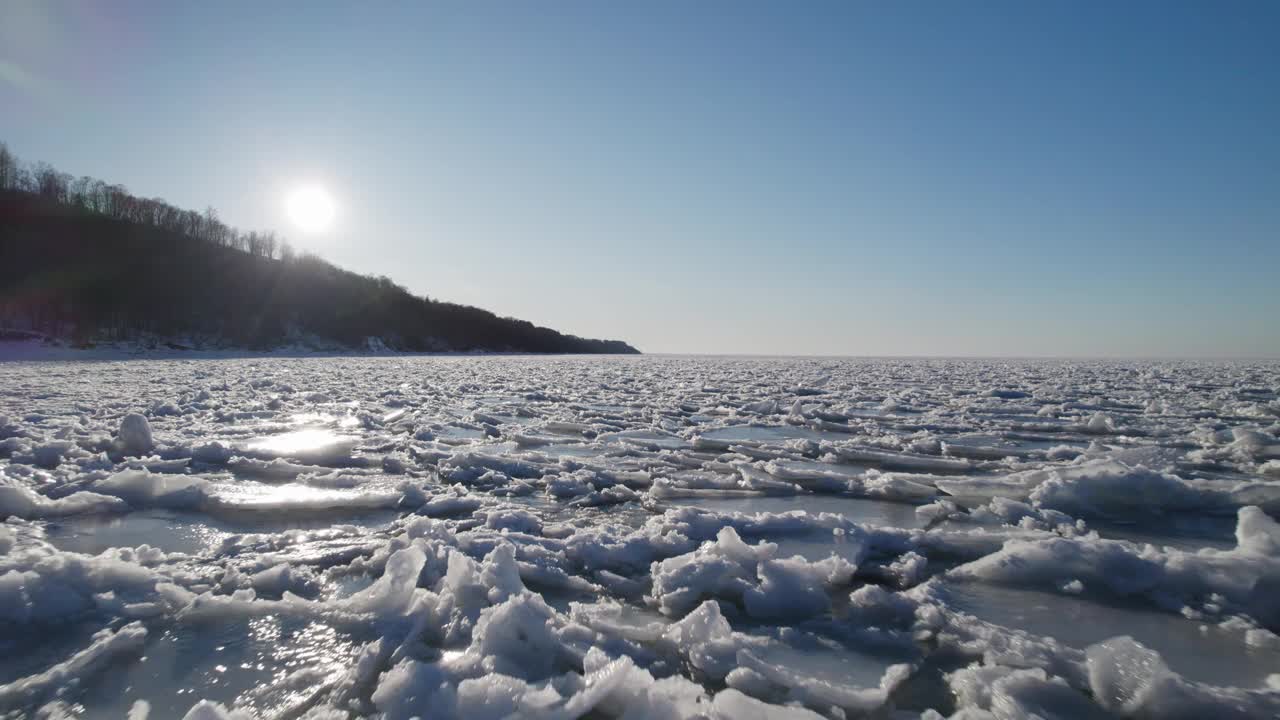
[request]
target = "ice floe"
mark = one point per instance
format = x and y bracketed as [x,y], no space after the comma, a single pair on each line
[639,537]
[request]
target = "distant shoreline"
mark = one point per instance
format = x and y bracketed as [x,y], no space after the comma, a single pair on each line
[85,263]
[37,351]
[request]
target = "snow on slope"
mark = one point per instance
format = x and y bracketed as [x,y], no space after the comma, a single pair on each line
[638,537]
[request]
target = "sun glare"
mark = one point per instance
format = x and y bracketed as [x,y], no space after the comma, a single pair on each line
[311,209]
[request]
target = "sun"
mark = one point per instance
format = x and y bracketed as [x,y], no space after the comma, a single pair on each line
[311,209]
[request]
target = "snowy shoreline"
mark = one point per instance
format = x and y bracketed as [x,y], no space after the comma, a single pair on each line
[35,351]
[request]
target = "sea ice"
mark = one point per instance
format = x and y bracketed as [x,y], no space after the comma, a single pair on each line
[638,537]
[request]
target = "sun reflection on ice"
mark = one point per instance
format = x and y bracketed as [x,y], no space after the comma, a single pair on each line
[299,441]
[257,496]
[312,418]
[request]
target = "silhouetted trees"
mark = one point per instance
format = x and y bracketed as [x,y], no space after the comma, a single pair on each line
[114,201]
[84,259]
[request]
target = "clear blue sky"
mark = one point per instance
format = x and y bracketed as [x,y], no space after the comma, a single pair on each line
[1078,178]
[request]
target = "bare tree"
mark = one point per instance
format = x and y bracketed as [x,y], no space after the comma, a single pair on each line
[115,201]
[8,169]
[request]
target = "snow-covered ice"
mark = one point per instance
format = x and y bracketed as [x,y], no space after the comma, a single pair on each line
[638,537]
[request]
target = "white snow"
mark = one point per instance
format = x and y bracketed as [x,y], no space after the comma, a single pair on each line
[134,436]
[17,500]
[481,537]
[769,588]
[105,647]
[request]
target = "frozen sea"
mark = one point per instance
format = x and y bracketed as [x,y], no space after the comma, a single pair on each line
[639,537]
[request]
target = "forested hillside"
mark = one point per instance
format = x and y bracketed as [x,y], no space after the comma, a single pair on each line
[87,261]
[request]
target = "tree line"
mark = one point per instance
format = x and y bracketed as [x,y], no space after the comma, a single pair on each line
[85,260]
[92,195]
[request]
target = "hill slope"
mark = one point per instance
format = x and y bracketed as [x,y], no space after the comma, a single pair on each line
[93,267]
